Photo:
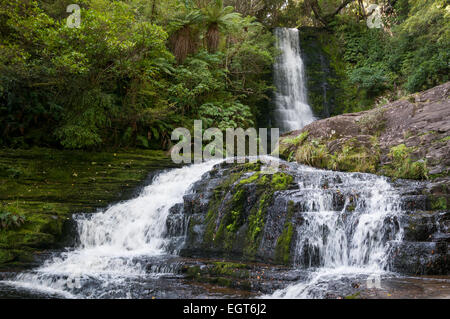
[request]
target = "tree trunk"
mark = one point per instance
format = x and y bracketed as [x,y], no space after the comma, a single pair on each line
[212,38]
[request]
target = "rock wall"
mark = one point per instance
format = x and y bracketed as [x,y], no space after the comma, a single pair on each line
[409,138]
[320,74]
[239,213]
[230,211]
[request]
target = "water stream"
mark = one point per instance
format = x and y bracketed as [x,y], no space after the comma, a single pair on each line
[292,111]
[344,241]
[349,222]
[115,244]
[347,226]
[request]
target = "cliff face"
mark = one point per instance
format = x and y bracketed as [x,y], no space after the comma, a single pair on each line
[409,138]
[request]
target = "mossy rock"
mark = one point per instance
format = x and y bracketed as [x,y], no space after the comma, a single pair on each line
[6,256]
[225,274]
[345,154]
[283,246]
[46,186]
[12,258]
[236,215]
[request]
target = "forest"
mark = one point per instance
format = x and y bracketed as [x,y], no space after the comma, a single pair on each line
[135,70]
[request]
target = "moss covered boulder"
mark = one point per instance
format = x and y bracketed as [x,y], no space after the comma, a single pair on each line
[409,139]
[240,213]
[236,213]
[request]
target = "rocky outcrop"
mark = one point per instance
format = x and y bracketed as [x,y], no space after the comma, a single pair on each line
[230,211]
[46,186]
[409,138]
[238,212]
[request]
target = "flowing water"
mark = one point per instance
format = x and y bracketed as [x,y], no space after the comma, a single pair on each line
[347,225]
[116,244]
[338,241]
[292,111]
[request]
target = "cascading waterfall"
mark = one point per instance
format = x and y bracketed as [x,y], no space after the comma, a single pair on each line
[351,242]
[346,223]
[113,242]
[292,110]
[338,243]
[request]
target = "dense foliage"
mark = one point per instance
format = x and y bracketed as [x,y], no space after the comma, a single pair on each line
[407,54]
[410,54]
[134,69]
[114,81]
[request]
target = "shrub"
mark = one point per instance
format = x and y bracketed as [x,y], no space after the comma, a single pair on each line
[10,220]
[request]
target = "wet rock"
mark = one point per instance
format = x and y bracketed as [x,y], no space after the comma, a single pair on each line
[222,209]
[421,123]
[421,258]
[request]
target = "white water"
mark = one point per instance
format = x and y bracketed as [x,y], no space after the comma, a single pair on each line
[347,243]
[292,110]
[334,245]
[111,241]
[339,244]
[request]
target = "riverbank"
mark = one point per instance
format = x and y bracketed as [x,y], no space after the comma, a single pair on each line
[41,188]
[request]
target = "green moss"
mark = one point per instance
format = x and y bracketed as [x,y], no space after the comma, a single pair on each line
[287,145]
[222,235]
[15,257]
[443,140]
[281,181]
[20,238]
[256,222]
[251,179]
[229,265]
[313,153]
[46,186]
[231,226]
[193,272]
[224,282]
[354,158]
[225,274]
[252,167]
[439,203]
[354,296]
[234,270]
[10,218]
[403,166]
[283,247]
[6,256]
[296,140]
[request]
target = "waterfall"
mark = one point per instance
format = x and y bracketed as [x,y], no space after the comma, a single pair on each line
[292,111]
[344,226]
[113,242]
[347,241]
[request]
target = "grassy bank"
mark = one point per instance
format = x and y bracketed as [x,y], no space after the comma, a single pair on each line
[40,189]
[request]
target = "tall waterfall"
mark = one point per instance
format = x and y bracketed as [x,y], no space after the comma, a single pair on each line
[292,111]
